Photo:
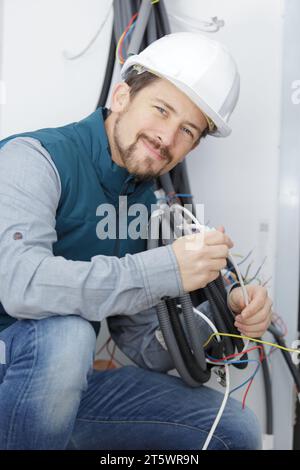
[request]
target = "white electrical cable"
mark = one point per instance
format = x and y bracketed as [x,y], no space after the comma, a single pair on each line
[226,395]
[203,227]
[69,56]
[209,26]
[213,327]
[245,293]
[209,322]
[221,410]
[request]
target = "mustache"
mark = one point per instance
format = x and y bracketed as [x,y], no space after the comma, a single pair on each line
[163,151]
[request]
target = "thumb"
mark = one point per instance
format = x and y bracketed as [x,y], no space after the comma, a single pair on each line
[221,229]
[236,300]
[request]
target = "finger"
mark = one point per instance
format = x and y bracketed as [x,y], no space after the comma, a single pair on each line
[213,275]
[217,251]
[261,316]
[263,326]
[216,264]
[228,241]
[253,333]
[255,305]
[217,238]
[259,328]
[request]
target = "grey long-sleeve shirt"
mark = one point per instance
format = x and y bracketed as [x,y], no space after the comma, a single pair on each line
[35,284]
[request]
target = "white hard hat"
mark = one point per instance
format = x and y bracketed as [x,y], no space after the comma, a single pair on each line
[200,67]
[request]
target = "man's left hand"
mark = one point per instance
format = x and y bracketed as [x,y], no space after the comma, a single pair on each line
[254,319]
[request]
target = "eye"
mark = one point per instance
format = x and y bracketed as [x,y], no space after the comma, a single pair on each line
[188,132]
[161,110]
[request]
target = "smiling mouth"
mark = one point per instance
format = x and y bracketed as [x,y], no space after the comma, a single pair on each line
[154,152]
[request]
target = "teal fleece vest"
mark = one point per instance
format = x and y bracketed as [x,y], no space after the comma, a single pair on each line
[89,178]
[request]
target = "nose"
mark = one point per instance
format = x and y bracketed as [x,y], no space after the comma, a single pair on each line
[167,135]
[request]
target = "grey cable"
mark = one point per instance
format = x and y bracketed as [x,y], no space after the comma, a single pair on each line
[166,24]
[268,394]
[196,338]
[126,11]
[117,20]
[140,27]
[166,183]
[166,328]
[163,315]
[193,327]
[151,29]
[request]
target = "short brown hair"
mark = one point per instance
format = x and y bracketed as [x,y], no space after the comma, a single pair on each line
[137,80]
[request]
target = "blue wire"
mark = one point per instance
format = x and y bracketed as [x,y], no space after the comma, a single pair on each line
[229,276]
[129,31]
[240,362]
[246,381]
[182,195]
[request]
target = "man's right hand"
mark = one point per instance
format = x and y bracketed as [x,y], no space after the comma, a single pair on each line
[201,257]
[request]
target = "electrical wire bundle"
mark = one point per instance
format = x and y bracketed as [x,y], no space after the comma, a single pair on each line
[136,25]
[183,333]
[188,354]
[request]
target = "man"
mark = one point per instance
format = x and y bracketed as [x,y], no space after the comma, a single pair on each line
[60,279]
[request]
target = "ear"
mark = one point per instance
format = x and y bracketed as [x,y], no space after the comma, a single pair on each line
[120,97]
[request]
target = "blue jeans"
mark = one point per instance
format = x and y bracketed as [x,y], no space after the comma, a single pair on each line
[50,398]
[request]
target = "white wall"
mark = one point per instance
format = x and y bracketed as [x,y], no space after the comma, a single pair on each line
[236,178]
[45,89]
